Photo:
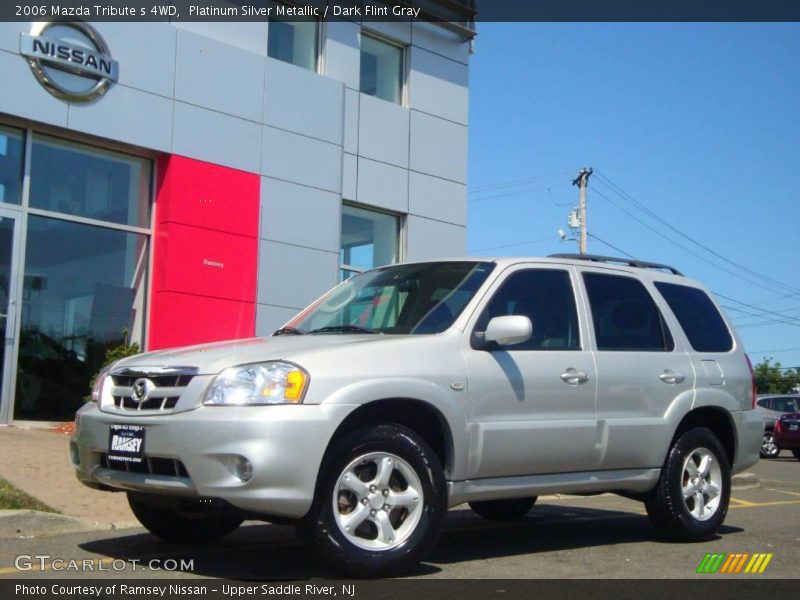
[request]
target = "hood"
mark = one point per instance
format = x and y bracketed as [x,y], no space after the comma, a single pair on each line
[210,359]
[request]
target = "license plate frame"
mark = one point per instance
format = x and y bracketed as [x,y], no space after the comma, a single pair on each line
[126,443]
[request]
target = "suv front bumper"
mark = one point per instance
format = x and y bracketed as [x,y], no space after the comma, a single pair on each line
[283,443]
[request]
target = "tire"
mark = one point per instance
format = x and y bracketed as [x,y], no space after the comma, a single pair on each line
[181,521]
[503,510]
[796,453]
[768,447]
[349,524]
[691,517]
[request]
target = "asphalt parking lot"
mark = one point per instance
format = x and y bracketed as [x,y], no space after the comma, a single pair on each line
[562,537]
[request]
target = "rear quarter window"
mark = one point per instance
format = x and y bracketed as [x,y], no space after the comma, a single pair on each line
[697,315]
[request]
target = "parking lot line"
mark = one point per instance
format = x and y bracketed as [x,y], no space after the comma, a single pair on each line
[783,491]
[742,502]
[764,504]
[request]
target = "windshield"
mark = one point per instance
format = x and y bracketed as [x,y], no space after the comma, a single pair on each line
[418,298]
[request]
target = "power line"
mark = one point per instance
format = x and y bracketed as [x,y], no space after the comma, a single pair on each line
[621,192]
[761,310]
[612,246]
[549,237]
[516,182]
[681,246]
[509,194]
[774,351]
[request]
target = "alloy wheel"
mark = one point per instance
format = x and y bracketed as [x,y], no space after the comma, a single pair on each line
[378,501]
[701,484]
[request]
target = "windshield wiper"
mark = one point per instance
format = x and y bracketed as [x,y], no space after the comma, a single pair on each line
[343,329]
[287,331]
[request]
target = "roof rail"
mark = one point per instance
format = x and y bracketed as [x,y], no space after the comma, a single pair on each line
[631,262]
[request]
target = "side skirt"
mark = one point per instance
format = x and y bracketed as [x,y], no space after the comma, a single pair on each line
[627,480]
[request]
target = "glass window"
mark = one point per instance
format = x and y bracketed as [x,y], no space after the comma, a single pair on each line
[788,405]
[545,297]
[88,182]
[291,41]
[418,298]
[11,150]
[381,69]
[83,293]
[697,315]
[369,239]
[625,315]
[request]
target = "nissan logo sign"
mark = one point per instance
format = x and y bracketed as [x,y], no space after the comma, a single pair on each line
[71,60]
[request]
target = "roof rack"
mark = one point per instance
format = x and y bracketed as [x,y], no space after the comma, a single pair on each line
[631,262]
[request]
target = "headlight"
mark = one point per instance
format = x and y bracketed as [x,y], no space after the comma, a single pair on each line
[101,383]
[260,383]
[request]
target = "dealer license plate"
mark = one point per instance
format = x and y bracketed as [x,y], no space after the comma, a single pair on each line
[126,443]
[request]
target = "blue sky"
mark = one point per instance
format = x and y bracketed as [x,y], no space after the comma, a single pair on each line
[699,123]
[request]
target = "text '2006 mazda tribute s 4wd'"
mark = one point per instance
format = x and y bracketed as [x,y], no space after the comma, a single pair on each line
[416,387]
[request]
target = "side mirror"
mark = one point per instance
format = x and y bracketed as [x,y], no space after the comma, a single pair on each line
[509,330]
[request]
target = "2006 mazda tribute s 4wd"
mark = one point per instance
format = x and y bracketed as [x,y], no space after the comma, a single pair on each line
[416,387]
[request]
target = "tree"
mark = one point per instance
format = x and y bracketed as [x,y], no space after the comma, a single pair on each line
[775,379]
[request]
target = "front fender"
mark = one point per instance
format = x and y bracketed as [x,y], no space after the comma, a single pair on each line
[447,402]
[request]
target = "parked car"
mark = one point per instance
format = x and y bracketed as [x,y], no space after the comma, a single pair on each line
[787,433]
[772,406]
[416,387]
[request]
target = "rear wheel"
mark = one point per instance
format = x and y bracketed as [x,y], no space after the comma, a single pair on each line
[380,503]
[182,521]
[690,501]
[510,509]
[796,453]
[768,447]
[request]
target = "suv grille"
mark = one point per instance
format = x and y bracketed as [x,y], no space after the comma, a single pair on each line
[145,389]
[171,467]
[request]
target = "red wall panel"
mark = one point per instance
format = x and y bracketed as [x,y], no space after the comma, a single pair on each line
[205,262]
[198,193]
[205,253]
[182,319]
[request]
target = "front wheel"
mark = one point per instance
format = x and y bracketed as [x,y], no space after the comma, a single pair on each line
[182,521]
[796,453]
[509,509]
[380,503]
[768,447]
[690,501]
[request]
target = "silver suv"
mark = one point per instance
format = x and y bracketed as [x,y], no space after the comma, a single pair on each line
[417,387]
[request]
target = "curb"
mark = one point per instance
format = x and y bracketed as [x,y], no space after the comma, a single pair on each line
[745,481]
[36,523]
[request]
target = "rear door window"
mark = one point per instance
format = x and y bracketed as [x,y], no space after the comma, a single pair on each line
[697,315]
[625,315]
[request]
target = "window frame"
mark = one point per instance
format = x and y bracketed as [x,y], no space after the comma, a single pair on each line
[668,337]
[657,285]
[23,211]
[319,40]
[400,237]
[404,64]
[497,285]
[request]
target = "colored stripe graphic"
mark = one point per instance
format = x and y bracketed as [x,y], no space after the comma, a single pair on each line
[733,563]
[711,563]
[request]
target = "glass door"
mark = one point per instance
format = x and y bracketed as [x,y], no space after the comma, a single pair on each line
[9,253]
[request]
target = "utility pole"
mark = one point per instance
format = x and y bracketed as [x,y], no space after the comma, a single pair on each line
[582,181]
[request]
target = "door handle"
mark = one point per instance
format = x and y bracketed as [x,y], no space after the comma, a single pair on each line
[669,376]
[574,377]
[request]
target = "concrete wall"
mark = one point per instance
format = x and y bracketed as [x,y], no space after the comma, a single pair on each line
[207,91]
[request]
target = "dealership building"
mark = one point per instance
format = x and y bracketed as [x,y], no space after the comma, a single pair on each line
[167,184]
